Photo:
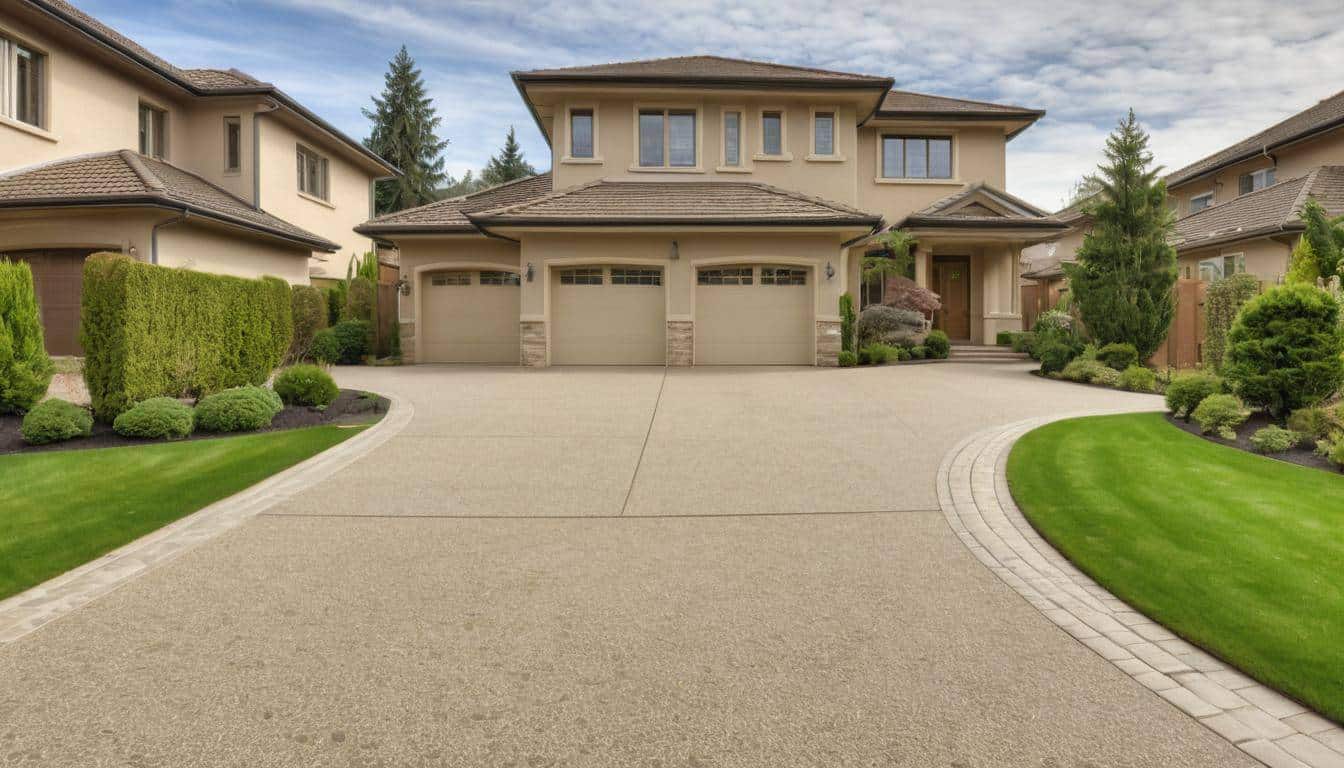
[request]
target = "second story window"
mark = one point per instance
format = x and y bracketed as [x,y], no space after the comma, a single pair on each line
[823,134]
[772,133]
[21,83]
[153,131]
[1250,182]
[233,144]
[916,157]
[1200,202]
[732,138]
[581,133]
[667,138]
[312,169]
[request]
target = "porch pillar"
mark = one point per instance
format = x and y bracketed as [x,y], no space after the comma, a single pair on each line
[922,266]
[1001,311]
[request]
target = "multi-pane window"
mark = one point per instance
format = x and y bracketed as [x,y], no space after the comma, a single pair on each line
[153,130]
[21,83]
[630,276]
[823,133]
[450,278]
[581,276]
[772,133]
[732,138]
[724,276]
[1250,182]
[499,278]
[233,144]
[1200,202]
[783,276]
[581,133]
[916,157]
[312,169]
[667,138]
[1215,269]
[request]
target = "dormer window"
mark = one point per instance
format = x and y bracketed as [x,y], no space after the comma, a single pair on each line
[22,84]
[581,133]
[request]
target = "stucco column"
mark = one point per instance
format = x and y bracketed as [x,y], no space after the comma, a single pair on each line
[999,283]
[922,266]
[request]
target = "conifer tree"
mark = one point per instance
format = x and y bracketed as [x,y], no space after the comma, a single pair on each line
[404,133]
[508,165]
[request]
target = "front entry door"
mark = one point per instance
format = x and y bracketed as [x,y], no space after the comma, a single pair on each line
[952,281]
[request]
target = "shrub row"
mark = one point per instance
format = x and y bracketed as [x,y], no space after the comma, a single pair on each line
[25,369]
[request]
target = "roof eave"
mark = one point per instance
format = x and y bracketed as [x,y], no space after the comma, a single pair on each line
[1186,246]
[792,223]
[1175,180]
[392,230]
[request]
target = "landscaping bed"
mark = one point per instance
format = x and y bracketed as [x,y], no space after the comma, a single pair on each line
[350,407]
[1298,454]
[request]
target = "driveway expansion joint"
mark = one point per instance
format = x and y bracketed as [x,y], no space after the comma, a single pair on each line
[23,613]
[975,500]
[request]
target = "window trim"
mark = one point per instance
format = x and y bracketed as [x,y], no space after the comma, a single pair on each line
[667,109]
[836,156]
[785,156]
[949,136]
[325,196]
[1189,204]
[1271,171]
[743,157]
[1238,259]
[9,91]
[567,140]
[157,140]
[228,121]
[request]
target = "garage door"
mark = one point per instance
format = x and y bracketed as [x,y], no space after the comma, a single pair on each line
[469,317]
[58,277]
[608,316]
[748,315]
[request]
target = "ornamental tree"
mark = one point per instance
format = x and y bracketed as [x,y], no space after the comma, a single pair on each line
[1286,350]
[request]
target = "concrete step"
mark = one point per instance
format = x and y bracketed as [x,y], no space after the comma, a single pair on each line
[988,359]
[981,348]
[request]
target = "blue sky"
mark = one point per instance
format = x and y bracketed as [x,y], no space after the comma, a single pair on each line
[1199,78]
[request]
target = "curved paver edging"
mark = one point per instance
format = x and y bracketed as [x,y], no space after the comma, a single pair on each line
[973,493]
[30,609]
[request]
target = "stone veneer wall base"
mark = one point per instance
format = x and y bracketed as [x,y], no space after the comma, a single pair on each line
[680,343]
[828,343]
[407,332]
[533,335]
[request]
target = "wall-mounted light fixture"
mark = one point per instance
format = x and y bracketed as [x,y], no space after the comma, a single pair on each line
[403,286]
[675,253]
[830,271]
[529,271]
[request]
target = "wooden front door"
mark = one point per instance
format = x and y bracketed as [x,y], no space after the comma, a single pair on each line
[58,279]
[952,282]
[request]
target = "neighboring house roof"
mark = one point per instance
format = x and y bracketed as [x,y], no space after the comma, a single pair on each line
[703,69]
[1325,115]
[1077,211]
[450,215]
[652,203]
[1276,208]
[198,82]
[125,178]
[1049,266]
[980,206]
[911,105]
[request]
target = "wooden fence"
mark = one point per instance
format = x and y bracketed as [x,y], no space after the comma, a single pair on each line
[1184,346]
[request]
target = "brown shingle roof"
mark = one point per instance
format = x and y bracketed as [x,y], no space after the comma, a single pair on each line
[126,178]
[958,210]
[901,103]
[704,68]
[644,203]
[222,79]
[1325,114]
[450,215]
[1276,208]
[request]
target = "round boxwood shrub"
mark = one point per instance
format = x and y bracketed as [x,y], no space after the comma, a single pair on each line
[1221,414]
[1118,355]
[1273,439]
[241,409]
[52,421]
[1136,378]
[1187,391]
[848,359]
[156,418]
[306,385]
[352,340]
[1286,349]
[1054,355]
[919,352]
[325,349]
[937,345]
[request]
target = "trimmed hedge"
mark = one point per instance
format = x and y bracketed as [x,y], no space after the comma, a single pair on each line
[241,409]
[354,339]
[308,306]
[1286,350]
[937,345]
[52,421]
[306,385]
[25,368]
[151,331]
[1119,355]
[156,418]
[325,349]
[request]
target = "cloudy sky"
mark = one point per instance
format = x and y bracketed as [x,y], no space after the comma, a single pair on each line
[1199,78]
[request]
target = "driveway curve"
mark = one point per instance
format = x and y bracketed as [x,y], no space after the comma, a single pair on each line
[606,567]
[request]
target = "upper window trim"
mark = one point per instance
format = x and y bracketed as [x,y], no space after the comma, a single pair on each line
[324,194]
[743,156]
[569,156]
[667,111]
[9,50]
[158,131]
[951,140]
[836,154]
[784,155]
[230,120]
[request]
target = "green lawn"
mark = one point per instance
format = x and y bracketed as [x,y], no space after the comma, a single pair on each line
[61,509]
[1237,553]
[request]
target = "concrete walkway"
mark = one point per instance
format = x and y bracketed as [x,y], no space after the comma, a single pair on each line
[606,567]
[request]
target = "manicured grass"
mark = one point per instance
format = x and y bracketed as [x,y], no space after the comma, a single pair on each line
[61,509]
[1237,553]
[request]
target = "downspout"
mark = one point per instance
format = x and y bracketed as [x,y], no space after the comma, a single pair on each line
[154,234]
[1264,150]
[256,152]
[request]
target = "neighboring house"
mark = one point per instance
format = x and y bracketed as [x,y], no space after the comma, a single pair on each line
[104,146]
[1043,280]
[703,210]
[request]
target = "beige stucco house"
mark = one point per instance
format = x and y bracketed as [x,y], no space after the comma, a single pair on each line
[105,146]
[703,210]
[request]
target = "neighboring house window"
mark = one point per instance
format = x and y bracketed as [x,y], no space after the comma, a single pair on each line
[1215,269]
[581,276]
[1250,182]
[313,171]
[772,133]
[581,133]
[153,130]
[233,144]
[732,138]
[500,278]
[666,138]
[21,83]
[823,133]
[783,276]
[628,276]
[1200,202]
[916,157]
[725,276]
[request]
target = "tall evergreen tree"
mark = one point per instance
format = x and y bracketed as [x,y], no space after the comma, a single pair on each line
[508,165]
[1122,284]
[404,133]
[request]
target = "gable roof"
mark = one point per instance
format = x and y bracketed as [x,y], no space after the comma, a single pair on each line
[197,82]
[980,206]
[1276,208]
[703,69]
[1327,114]
[450,215]
[659,203]
[125,178]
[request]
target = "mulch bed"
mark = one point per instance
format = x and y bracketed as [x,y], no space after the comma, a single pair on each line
[1302,456]
[351,407]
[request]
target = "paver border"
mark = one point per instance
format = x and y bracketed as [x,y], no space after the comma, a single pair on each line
[23,613]
[974,497]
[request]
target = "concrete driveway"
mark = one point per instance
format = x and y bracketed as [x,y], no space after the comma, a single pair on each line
[708,567]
